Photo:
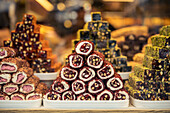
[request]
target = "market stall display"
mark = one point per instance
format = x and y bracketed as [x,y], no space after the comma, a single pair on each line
[150,81]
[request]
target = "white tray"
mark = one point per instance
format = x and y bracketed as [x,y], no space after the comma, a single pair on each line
[146,104]
[86,104]
[47,76]
[20,103]
[124,75]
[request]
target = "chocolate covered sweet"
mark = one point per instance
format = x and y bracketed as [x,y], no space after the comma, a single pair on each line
[5,78]
[95,60]
[69,74]
[78,87]
[95,86]
[75,60]
[10,88]
[105,95]
[84,47]
[85,97]
[18,96]
[68,95]
[60,85]
[86,74]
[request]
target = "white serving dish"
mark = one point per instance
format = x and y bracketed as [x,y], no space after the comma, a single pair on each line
[20,103]
[146,104]
[124,75]
[123,104]
[47,76]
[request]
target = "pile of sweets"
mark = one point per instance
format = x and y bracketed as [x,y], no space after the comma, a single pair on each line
[132,45]
[151,81]
[98,32]
[87,76]
[31,46]
[17,81]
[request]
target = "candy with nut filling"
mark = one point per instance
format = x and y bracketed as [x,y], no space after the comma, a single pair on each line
[85,97]
[121,95]
[68,95]
[4,96]
[18,96]
[105,95]
[52,96]
[6,52]
[75,60]
[10,88]
[95,86]
[86,74]
[33,96]
[5,78]
[78,87]
[41,88]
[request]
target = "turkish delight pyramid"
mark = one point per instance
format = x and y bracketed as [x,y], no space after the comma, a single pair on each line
[150,81]
[87,76]
[17,81]
[31,45]
[98,32]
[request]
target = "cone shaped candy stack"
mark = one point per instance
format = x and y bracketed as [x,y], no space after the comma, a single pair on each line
[151,81]
[87,76]
[27,40]
[98,32]
[17,81]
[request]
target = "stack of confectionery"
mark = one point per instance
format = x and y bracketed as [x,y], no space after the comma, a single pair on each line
[26,39]
[17,81]
[87,76]
[132,45]
[151,81]
[98,32]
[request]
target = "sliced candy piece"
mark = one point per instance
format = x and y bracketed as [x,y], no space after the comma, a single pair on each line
[21,75]
[41,88]
[115,83]
[30,85]
[33,96]
[96,16]
[86,74]
[10,88]
[52,96]
[75,60]
[107,71]
[68,95]
[10,65]
[5,78]
[18,96]
[121,95]
[60,85]
[105,95]
[78,87]
[29,19]
[95,60]
[84,47]
[69,74]
[95,86]
[8,43]
[3,96]
[85,96]
[6,52]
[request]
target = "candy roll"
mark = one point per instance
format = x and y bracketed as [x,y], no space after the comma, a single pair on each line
[95,86]
[52,96]
[5,78]
[33,96]
[84,48]
[69,74]
[30,85]
[86,74]
[4,96]
[60,85]
[105,95]
[6,52]
[115,83]
[9,65]
[95,60]
[18,96]
[10,88]
[75,61]
[121,95]
[85,97]
[107,71]
[41,88]
[78,87]
[68,95]
[21,75]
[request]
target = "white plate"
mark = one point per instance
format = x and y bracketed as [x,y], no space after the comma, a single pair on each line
[124,75]
[20,104]
[47,76]
[86,104]
[147,104]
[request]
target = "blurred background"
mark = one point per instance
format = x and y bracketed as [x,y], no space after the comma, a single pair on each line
[60,20]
